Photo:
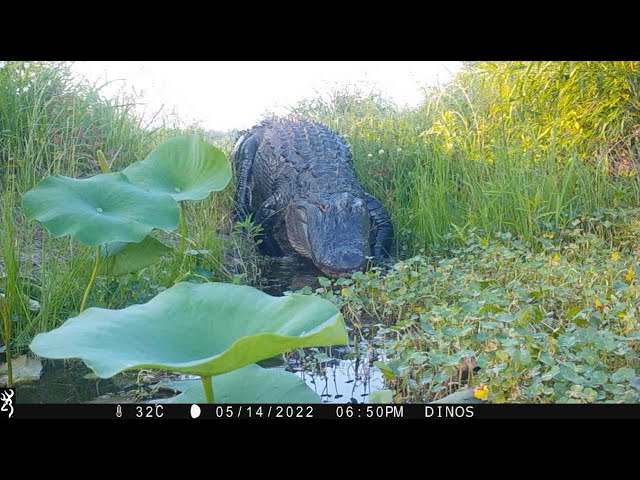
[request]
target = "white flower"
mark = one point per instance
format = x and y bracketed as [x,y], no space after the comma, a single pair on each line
[370,155]
[399,150]
[381,152]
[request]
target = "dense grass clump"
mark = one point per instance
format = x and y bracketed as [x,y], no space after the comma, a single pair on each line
[506,146]
[52,123]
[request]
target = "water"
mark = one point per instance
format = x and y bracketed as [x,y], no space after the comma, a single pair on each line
[342,374]
[289,274]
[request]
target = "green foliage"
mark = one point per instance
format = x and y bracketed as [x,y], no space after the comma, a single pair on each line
[552,321]
[381,396]
[120,258]
[100,209]
[250,384]
[206,329]
[506,146]
[54,124]
[187,168]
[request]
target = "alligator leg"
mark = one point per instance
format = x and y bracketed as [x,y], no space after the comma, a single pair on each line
[267,219]
[243,156]
[381,235]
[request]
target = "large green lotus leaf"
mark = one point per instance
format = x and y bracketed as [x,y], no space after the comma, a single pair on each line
[100,209]
[250,384]
[120,258]
[186,168]
[202,329]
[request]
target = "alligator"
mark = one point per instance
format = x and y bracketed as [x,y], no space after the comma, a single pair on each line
[296,179]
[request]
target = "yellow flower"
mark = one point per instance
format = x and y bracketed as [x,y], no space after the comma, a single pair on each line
[615,255]
[621,315]
[547,234]
[631,274]
[344,292]
[598,303]
[556,259]
[481,391]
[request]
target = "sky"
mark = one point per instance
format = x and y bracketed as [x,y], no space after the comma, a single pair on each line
[229,95]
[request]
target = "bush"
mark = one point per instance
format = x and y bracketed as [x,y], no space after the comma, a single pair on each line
[506,146]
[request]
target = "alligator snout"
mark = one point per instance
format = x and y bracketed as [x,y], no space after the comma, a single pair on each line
[343,264]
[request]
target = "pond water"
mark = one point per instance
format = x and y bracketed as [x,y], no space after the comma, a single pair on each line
[343,374]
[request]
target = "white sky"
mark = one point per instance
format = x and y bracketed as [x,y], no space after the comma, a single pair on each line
[225,95]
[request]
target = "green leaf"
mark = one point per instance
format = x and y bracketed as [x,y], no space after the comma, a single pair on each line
[201,329]
[623,374]
[250,384]
[381,396]
[465,395]
[120,258]
[573,312]
[187,168]
[390,369]
[100,209]
[555,370]
[491,308]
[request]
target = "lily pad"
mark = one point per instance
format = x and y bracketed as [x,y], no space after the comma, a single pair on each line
[187,168]
[250,384]
[100,209]
[120,258]
[381,396]
[201,329]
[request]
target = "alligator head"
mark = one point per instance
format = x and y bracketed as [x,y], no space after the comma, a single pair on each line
[332,230]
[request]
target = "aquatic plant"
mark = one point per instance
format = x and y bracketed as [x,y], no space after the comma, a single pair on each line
[201,329]
[126,207]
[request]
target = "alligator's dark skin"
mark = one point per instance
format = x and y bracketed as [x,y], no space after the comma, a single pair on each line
[296,178]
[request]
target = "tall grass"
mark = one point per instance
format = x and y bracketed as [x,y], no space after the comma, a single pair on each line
[506,146]
[52,123]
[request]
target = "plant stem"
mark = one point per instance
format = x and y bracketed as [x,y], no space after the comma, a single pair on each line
[6,320]
[96,265]
[183,229]
[207,384]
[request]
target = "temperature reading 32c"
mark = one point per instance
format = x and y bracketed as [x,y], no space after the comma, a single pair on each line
[149,411]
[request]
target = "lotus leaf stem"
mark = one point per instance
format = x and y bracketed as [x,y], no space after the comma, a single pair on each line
[96,266]
[207,384]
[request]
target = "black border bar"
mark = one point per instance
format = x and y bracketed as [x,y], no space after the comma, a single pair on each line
[353,412]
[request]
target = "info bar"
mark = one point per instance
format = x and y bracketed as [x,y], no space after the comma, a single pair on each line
[351,412]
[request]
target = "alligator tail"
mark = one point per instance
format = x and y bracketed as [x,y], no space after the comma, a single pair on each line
[243,157]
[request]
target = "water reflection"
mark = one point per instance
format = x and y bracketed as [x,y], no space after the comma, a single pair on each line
[340,377]
[336,374]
